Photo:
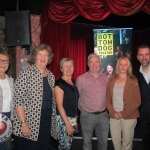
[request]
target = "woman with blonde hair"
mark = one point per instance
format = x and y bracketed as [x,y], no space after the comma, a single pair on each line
[123,100]
[66,94]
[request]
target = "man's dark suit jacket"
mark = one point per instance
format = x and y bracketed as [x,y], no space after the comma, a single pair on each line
[144,109]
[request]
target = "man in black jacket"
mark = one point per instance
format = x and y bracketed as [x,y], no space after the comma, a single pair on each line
[143,76]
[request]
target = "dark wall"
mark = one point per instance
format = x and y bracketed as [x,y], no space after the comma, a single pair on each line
[34,6]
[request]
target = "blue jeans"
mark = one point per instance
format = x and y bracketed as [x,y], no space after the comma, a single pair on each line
[99,123]
[7,144]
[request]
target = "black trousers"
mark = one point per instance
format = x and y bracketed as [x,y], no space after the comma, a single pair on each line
[145,131]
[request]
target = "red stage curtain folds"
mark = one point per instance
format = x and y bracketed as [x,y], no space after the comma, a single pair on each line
[60,34]
[147,8]
[64,11]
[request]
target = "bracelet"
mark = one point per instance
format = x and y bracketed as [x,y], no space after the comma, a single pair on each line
[23,121]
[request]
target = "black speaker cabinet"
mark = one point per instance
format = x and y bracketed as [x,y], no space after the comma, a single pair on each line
[18,28]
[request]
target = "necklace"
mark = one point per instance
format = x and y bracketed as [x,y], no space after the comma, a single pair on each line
[68,81]
[44,73]
[121,80]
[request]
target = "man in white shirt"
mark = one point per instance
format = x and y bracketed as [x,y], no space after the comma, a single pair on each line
[143,75]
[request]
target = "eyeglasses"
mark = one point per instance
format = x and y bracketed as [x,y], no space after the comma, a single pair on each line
[42,55]
[4,61]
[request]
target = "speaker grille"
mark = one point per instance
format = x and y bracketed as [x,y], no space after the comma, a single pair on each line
[18,28]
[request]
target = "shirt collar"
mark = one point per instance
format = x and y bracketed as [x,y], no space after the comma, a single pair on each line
[92,75]
[142,70]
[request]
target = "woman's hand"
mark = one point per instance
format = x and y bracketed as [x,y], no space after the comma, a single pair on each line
[76,124]
[117,115]
[26,130]
[22,117]
[69,129]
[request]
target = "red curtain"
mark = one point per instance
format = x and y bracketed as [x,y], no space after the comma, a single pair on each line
[62,11]
[65,11]
[76,41]
[58,37]
[125,7]
[147,8]
[67,40]
[77,48]
[93,10]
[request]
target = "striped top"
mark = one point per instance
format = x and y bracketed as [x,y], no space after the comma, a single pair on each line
[92,92]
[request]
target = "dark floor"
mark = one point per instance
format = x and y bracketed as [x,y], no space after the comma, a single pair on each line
[77,142]
[77,145]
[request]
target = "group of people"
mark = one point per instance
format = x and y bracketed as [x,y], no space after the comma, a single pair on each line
[41,108]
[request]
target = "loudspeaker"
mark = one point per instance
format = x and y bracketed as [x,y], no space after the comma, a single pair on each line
[18,28]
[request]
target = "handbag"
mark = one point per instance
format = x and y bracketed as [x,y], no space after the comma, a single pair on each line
[5,128]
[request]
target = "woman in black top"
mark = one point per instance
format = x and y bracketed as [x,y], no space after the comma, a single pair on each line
[66,99]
